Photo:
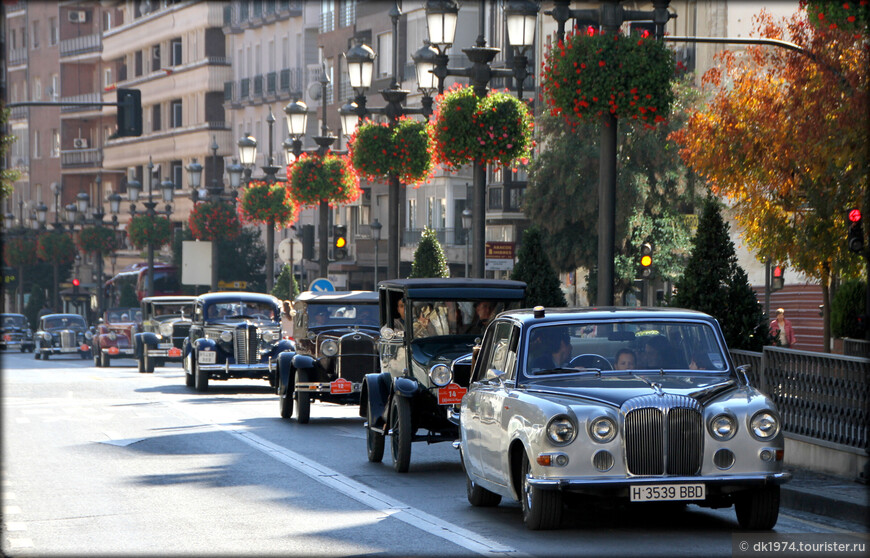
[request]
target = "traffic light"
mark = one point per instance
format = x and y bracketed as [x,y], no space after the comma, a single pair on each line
[129,113]
[646,260]
[778,281]
[339,242]
[855,240]
[75,284]
[307,242]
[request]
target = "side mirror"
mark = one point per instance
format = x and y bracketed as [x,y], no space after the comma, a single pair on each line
[743,373]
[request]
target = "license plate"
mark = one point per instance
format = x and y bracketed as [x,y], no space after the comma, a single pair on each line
[340,386]
[451,394]
[175,352]
[667,492]
[207,357]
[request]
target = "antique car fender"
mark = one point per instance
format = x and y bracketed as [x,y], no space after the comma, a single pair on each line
[375,393]
[203,343]
[304,362]
[282,346]
[286,370]
[406,387]
[140,340]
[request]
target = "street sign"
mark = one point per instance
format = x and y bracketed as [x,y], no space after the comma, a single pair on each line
[322,285]
[499,256]
[289,247]
[240,285]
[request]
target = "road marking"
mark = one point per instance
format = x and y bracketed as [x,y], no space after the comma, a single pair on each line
[20,543]
[16,526]
[368,496]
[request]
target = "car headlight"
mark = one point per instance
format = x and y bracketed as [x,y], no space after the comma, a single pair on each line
[226,336]
[271,336]
[723,427]
[89,335]
[329,348]
[46,336]
[561,430]
[602,429]
[29,333]
[387,333]
[113,336]
[165,329]
[440,374]
[764,425]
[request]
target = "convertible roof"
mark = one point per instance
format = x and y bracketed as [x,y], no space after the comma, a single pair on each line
[338,296]
[458,288]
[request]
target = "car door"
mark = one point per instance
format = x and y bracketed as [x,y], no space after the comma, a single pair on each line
[498,372]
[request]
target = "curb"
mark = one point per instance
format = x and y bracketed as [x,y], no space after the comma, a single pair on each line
[813,501]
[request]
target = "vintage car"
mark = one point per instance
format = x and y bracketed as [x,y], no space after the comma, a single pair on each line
[61,334]
[113,337]
[165,325]
[16,333]
[336,346]
[631,405]
[233,335]
[446,318]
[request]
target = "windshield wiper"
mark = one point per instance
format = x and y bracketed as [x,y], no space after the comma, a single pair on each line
[566,370]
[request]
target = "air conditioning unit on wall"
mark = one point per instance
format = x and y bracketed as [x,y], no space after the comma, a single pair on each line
[80,143]
[78,16]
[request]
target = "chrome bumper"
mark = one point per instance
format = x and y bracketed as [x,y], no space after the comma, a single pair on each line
[227,367]
[591,485]
[324,387]
[124,352]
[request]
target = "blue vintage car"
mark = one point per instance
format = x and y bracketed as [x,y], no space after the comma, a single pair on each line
[60,334]
[233,335]
[630,405]
[16,333]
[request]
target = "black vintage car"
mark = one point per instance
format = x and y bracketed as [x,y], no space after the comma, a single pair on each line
[336,346]
[233,335]
[59,334]
[411,397]
[166,323]
[16,333]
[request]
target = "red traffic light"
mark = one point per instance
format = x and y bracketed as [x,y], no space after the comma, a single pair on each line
[854,215]
[76,282]
[777,272]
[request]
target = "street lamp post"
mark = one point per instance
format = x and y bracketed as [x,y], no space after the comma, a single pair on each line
[78,214]
[133,189]
[466,225]
[376,237]
[441,19]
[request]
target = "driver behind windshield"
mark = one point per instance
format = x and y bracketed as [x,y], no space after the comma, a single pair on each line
[549,349]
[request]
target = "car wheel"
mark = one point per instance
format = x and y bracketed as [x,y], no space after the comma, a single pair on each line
[374,440]
[189,370]
[36,354]
[758,510]
[84,355]
[200,376]
[285,401]
[303,402]
[400,438]
[147,361]
[479,496]
[45,355]
[95,352]
[105,359]
[542,509]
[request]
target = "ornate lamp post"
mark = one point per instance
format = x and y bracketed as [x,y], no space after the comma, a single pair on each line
[466,225]
[133,190]
[441,19]
[376,237]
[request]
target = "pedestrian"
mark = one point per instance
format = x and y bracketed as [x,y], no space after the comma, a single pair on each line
[46,309]
[781,329]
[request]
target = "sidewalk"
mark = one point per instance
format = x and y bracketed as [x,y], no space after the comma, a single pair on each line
[827,495]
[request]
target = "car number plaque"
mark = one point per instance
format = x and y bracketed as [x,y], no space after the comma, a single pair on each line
[340,386]
[207,357]
[666,492]
[451,394]
[174,352]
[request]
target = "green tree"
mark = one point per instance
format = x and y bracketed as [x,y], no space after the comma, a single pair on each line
[429,258]
[653,193]
[535,269]
[286,287]
[34,305]
[7,176]
[714,283]
[848,305]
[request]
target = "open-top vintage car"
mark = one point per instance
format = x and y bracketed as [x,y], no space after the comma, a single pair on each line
[631,405]
[233,335]
[16,333]
[114,335]
[165,325]
[60,334]
[410,398]
[336,346]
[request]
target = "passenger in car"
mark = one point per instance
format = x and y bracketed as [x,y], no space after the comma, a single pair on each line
[549,351]
[700,361]
[625,360]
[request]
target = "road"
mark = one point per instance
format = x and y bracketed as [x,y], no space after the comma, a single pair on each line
[109,461]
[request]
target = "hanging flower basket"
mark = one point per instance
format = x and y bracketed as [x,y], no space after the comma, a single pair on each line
[377,150]
[143,229]
[264,203]
[19,251]
[214,220]
[591,74]
[497,129]
[313,179]
[55,248]
[851,15]
[97,240]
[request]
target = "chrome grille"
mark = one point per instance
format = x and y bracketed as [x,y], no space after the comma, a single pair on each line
[179,334]
[246,342]
[68,339]
[664,435]
[356,357]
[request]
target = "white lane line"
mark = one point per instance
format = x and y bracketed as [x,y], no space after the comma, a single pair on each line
[369,497]
[15,526]
[20,543]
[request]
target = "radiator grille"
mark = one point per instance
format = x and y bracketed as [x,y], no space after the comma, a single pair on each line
[246,344]
[663,436]
[356,357]
[68,339]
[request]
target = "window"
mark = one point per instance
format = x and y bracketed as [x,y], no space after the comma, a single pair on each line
[137,63]
[412,215]
[155,118]
[327,16]
[34,36]
[176,113]
[37,89]
[36,153]
[175,46]
[177,170]
[55,87]
[107,77]
[385,55]
[55,143]
[155,58]
[52,31]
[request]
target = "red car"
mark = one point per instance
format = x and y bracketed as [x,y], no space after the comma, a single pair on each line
[114,335]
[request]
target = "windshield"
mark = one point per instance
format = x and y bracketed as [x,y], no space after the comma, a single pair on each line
[564,348]
[242,310]
[14,321]
[162,312]
[121,315]
[450,317]
[64,322]
[342,314]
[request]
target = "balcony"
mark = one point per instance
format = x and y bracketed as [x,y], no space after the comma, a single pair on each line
[447,237]
[81,45]
[271,82]
[291,79]
[81,158]
[245,88]
[17,56]
[228,90]
[258,85]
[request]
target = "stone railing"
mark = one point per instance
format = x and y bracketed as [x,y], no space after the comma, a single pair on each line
[823,398]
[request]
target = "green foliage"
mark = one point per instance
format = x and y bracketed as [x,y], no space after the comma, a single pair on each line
[34,305]
[312,179]
[429,258]
[210,220]
[849,303]
[143,229]
[19,251]
[714,283]
[286,287]
[376,150]
[263,203]
[7,176]
[534,268]
[849,15]
[55,248]
[128,298]
[97,239]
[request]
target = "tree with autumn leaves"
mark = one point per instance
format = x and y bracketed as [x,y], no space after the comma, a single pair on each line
[784,139]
